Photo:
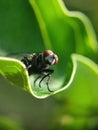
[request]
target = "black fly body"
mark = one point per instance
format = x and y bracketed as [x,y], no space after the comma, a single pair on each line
[39,63]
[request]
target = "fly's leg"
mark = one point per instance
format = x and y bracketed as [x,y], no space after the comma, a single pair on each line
[48,74]
[37,79]
[47,83]
[42,80]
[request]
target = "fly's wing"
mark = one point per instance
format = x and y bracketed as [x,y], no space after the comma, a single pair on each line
[20,56]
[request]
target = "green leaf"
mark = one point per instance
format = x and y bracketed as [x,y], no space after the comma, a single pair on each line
[63,31]
[19,30]
[84,87]
[14,71]
[78,104]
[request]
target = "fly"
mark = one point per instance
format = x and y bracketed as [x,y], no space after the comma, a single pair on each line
[39,63]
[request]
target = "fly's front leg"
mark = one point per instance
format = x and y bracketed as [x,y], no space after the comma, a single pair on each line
[47,73]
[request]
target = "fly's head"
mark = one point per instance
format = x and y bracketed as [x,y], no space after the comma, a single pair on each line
[50,58]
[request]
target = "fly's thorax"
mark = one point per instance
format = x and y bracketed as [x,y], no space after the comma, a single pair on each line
[38,61]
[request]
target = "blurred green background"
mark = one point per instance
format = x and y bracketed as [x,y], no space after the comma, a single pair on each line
[20,110]
[88,7]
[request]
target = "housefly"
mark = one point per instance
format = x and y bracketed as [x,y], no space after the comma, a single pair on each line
[39,63]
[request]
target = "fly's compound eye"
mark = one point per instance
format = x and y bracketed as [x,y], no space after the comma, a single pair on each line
[56,59]
[50,57]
